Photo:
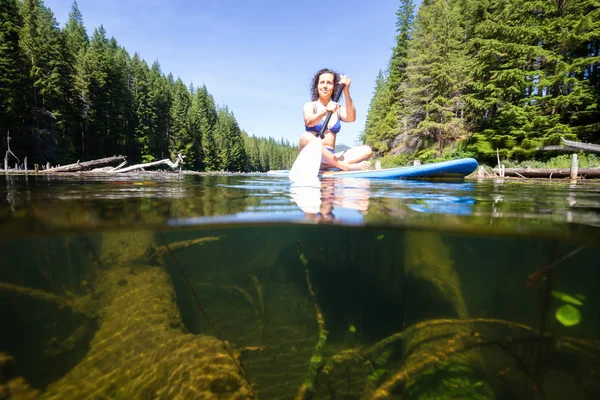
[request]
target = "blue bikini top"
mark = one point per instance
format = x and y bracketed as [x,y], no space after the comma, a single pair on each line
[317,128]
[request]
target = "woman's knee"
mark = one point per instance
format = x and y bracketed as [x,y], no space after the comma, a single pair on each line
[305,139]
[367,151]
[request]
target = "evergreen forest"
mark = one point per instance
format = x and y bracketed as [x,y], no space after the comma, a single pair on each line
[488,77]
[66,96]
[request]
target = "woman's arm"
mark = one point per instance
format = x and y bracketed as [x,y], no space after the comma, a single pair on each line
[348,113]
[310,117]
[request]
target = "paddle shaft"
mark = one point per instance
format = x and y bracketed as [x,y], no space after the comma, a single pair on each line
[336,97]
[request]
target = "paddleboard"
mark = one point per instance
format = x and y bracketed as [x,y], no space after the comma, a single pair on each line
[445,169]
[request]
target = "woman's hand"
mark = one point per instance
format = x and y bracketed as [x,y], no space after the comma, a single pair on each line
[345,79]
[348,113]
[332,106]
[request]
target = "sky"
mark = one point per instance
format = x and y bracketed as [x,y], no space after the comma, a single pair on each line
[255,56]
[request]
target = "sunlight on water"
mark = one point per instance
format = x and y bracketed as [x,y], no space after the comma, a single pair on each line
[245,287]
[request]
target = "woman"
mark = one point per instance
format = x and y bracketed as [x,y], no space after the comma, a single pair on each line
[324,84]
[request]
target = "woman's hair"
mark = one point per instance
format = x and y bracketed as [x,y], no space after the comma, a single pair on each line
[314,91]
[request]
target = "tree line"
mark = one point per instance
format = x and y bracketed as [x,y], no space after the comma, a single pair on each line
[66,96]
[506,76]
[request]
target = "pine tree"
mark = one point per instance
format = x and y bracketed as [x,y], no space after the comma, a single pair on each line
[207,124]
[13,103]
[237,151]
[378,127]
[385,117]
[144,113]
[181,137]
[197,111]
[77,42]
[75,35]
[121,124]
[533,76]
[160,100]
[399,60]
[95,76]
[439,73]
[45,52]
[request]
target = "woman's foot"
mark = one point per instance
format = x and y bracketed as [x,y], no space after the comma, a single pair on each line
[361,166]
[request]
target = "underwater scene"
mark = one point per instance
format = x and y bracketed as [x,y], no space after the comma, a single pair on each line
[231,289]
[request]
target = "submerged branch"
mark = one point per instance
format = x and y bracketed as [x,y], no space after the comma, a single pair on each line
[453,346]
[438,322]
[162,250]
[307,390]
[235,288]
[61,301]
[543,272]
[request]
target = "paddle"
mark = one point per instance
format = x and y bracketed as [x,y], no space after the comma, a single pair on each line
[308,162]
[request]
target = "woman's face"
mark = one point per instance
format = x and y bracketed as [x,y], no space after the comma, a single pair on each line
[325,85]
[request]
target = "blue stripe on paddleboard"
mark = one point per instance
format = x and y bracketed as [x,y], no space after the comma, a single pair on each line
[452,168]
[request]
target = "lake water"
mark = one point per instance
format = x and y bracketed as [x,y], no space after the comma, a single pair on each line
[242,286]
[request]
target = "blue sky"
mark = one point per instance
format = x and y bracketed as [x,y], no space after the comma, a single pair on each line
[255,56]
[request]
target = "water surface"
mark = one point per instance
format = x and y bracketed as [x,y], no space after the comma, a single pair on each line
[243,286]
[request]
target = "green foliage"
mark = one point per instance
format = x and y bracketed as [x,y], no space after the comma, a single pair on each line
[264,154]
[507,75]
[384,117]
[427,155]
[584,160]
[13,102]
[66,96]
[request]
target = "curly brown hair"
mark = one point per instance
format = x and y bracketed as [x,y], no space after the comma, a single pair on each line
[314,92]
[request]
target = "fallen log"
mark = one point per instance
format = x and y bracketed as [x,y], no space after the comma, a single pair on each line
[581,145]
[173,165]
[82,166]
[550,172]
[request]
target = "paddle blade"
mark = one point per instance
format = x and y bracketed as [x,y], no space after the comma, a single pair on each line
[306,166]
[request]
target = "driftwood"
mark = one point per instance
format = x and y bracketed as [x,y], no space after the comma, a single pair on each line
[581,146]
[550,172]
[9,152]
[173,165]
[91,165]
[119,166]
[82,166]
[568,145]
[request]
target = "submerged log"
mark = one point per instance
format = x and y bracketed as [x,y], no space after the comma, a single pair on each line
[82,166]
[550,172]
[141,348]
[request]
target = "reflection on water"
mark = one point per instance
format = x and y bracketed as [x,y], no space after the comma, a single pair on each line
[318,200]
[38,204]
[244,287]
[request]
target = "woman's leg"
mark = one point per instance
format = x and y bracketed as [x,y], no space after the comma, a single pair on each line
[356,154]
[328,159]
